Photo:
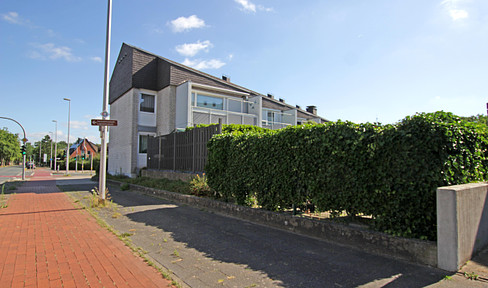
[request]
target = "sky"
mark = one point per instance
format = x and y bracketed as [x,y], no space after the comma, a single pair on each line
[357,60]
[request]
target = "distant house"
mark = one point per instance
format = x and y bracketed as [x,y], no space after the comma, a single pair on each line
[151,95]
[83,147]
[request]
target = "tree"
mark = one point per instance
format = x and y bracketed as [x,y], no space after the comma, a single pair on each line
[480,119]
[9,147]
[62,149]
[45,145]
[29,151]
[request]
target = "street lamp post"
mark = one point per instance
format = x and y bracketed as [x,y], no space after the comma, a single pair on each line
[40,144]
[67,148]
[51,158]
[103,132]
[55,145]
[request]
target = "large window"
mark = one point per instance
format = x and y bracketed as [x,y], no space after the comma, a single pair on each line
[210,102]
[272,116]
[143,143]
[146,103]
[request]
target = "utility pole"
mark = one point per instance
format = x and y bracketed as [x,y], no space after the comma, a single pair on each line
[67,148]
[55,145]
[51,159]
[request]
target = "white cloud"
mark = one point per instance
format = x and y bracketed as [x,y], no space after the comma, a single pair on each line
[458,14]
[93,139]
[453,9]
[182,24]
[248,6]
[83,125]
[191,49]
[265,9]
[96,59]
[53,52]
[12,17]
[204,64]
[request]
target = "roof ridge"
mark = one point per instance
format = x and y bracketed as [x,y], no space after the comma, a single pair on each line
[223,81]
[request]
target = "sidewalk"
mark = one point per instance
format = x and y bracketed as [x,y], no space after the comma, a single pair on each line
[46,242]
[205,249]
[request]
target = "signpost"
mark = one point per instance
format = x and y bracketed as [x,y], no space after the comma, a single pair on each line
[103,122]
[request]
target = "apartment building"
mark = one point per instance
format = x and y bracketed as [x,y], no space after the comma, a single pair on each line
[151,95]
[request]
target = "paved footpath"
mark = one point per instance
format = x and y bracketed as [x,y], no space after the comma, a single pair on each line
[45,241]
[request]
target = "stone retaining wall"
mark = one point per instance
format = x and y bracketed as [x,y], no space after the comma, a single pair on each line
[171,175]
[412,250]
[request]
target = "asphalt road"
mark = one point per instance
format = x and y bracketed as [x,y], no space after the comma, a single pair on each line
[11,172]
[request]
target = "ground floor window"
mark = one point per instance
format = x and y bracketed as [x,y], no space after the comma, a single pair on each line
[143,143]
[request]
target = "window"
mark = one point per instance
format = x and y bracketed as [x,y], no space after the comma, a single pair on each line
[235,105]
[143,143]
[146,103]
[272,116]
[210,102]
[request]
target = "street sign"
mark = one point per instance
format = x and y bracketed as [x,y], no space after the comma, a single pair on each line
[24,140]
[103,122]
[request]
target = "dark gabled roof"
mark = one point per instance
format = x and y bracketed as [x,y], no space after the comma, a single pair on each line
[80,141]
[223,82]
[220,80]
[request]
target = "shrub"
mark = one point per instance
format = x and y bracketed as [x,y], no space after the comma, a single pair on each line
[199,186]
[390,172]
[124,186]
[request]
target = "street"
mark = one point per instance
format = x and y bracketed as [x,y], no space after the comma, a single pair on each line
[10,172]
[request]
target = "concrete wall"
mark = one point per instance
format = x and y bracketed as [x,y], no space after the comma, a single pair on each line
[120,141]
[183,102]
[462,223]
[166,115]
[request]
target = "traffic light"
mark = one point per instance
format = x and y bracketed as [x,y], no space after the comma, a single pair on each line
[83,156]
[23,150]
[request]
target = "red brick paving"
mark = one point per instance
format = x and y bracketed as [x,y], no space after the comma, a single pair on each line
[45,241]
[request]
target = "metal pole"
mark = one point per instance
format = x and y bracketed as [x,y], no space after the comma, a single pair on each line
[67,148]
[51,158]
[103,134]
[55,145]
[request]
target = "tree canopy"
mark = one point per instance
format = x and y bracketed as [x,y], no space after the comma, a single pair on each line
[9,147]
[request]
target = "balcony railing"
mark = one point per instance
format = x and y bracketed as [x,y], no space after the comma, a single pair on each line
[208,116]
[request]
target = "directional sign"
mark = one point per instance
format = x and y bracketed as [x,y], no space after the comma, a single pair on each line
[103,122]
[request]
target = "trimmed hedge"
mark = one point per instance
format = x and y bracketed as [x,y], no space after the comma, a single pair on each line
[390,172]
[230,128]
[87,164]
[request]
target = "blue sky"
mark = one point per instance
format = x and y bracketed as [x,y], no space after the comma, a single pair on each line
[358,60]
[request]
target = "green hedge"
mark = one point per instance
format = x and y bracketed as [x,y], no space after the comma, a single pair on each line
[390,172]
[231,128]
[86,162]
